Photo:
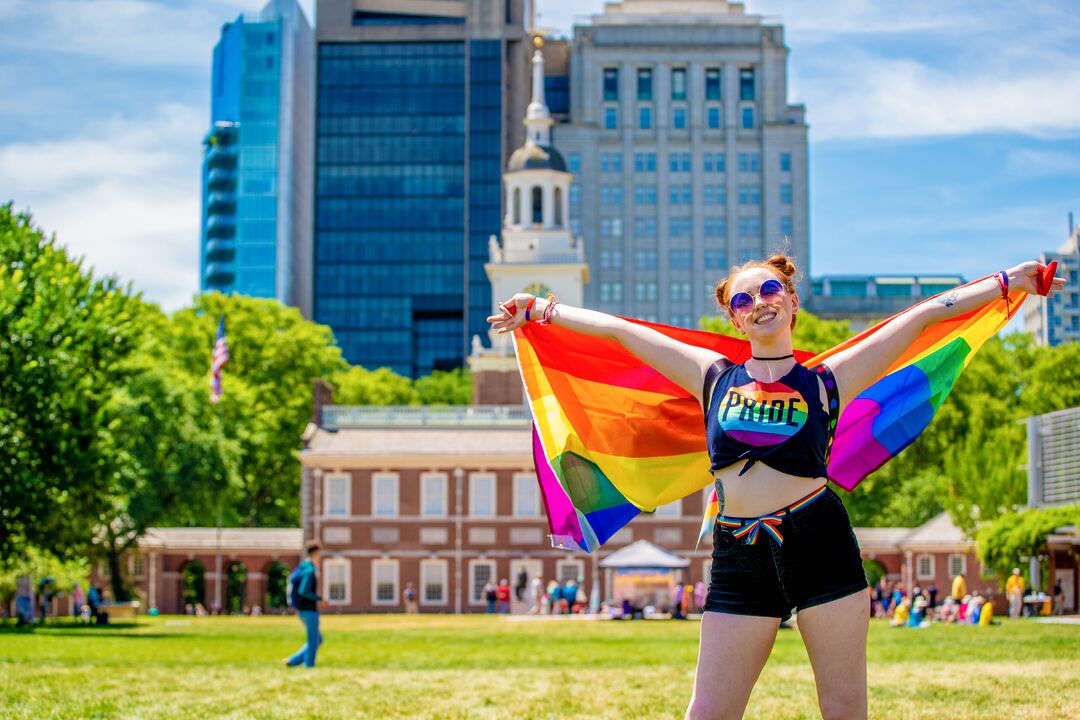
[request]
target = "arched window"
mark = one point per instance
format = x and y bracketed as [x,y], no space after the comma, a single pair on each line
[558,207]
[517,206]
[537,205]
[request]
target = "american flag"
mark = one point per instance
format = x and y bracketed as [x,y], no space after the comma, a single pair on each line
[221,356]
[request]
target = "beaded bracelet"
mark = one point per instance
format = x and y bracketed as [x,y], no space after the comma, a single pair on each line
[546,319]
[1003,282]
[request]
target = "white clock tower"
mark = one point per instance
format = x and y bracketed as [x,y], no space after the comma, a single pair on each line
[538,252]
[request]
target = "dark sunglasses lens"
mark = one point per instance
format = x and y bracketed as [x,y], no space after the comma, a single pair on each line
[741,302]
[771,290]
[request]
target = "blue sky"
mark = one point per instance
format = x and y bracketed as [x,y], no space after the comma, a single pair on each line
[945,136]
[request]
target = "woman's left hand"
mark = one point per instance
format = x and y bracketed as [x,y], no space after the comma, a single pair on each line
[1025,276]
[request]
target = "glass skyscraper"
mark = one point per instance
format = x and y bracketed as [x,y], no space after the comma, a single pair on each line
[256,222]
[411,131]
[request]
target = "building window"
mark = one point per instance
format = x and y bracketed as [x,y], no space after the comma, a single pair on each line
[611,83]
[645,118]
[715,260]
[611,259]
[482,494]
[645,194]
[679,162]
[679,259]
[645,292]
[678,119]
[957,565]
[537,205]
[136,565]
[712,84]
[569,570]
[678,84]
[712,115]
[749,162]
[384,582]
[575,162]
[715,227]
[645,162]
[787,227]
[611,118]
[714,162]
[747,255]
[384,494]
[749,227]
[644,84]
[679,291]
[645,260]
[679,194]
[746,84]
[558,207]
[748,118]
[715,194]
[611,195]
[672,509]
[645,227]
[481,572]
[337,581]
[611,292]
[526,495]
[785,194]
[924,567]
[611,162]
[575,194]
[785,162]
[336,487]
[679,227]
[749,195]
[516,209]
[610,227]
[433,582]
[433,494]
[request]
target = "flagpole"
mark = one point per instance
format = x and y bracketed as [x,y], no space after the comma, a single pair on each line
[220,357]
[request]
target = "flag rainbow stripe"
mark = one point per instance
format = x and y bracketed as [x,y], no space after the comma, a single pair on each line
[615,438]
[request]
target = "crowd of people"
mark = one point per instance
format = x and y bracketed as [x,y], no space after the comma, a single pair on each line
[921,607]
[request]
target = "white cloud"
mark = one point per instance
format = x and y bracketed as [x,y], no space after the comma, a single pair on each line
[128,32]
[124,194]
[875,97]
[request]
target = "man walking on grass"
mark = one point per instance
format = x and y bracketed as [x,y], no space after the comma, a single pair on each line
[304,596]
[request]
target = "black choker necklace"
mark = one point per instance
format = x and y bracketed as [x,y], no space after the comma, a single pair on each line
[782,357]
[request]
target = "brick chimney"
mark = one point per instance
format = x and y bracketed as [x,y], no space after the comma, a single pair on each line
[323,395]
[495,376]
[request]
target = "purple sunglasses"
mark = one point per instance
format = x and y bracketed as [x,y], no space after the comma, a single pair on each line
[769,292]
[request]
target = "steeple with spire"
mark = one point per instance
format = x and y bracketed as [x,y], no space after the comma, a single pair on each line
[538,253]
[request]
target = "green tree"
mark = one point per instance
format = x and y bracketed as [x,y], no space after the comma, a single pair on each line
[64,337]
[275,357]
[359,386]
[445,387]
[165,456]
[1010,539]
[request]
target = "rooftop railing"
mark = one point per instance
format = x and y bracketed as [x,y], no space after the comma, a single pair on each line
[344,416]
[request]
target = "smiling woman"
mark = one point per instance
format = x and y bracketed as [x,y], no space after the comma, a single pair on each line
[782,541]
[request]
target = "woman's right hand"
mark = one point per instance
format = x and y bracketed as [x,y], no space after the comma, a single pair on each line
[512,315]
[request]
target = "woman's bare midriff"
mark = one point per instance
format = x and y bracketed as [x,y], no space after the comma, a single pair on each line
[762,489]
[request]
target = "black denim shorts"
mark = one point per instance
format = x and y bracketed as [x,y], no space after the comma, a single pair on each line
[817,562]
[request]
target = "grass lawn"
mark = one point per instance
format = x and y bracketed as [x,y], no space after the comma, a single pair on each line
[481,667]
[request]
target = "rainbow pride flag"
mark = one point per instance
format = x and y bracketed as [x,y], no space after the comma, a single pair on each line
[614,438]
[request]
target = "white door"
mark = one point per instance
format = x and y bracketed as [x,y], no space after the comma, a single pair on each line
[1067,576]
[522,573]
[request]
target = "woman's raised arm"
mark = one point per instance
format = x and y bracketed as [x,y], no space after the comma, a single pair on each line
[683,364]
[857,367]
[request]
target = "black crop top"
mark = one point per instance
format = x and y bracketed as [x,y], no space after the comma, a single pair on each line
[781,423]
